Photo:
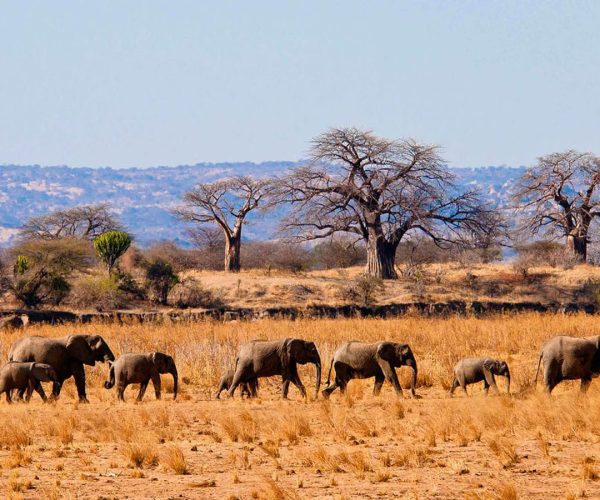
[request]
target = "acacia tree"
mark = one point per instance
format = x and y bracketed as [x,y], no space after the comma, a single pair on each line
[84,222]
[558,198]
[379,190]
[227,204]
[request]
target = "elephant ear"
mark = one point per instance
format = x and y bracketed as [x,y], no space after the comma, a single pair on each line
[293,348]
[491,365]
[387,351]
[79,348]
[160,361]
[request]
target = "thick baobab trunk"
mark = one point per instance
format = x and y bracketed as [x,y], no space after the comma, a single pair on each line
[578,246]
[381,258]
[233,246]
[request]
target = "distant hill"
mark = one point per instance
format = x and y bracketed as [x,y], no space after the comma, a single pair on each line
[142,197]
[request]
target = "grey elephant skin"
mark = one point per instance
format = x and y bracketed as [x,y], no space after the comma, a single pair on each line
[473,370]
[25,377]
[268,358]
[140,369]
[366,360]
[67,355]
[249,389]
[569,358]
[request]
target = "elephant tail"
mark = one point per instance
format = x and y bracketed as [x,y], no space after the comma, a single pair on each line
[538,368]
[110,383]
[329,373]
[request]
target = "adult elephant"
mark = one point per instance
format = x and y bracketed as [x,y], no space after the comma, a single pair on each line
[66,355]
[267,358]
[366,360]
[569,358]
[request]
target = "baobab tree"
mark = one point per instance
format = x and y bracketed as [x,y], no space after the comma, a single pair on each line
[558,198]
[379,190]
[226,203]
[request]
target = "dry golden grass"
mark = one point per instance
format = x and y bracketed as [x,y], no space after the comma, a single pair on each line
[524,446]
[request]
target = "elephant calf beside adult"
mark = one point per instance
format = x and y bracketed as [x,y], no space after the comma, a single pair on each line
[140,369]
[267,358]
[569,358]
[67,355]
[472,370]
[362,360]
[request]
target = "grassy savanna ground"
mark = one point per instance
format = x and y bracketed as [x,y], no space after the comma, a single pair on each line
[356,446]
[431,283]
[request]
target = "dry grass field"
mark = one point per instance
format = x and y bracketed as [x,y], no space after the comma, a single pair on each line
[354,446]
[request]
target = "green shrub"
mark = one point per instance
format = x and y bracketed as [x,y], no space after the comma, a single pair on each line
[110,246]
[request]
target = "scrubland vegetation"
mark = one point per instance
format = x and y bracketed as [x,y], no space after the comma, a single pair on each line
[527,445]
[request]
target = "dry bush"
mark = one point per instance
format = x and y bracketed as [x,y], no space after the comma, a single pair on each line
[174,460]
[140,454]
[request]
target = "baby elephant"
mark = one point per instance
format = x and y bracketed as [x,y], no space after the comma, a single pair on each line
[25,376]
[140,369]
[472,370]
[250,389]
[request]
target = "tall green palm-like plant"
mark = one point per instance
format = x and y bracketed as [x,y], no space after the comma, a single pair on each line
[110,246]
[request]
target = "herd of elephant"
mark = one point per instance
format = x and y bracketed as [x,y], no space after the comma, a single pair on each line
[36,359]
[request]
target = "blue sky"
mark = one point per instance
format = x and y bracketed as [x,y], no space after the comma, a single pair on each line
[140,83]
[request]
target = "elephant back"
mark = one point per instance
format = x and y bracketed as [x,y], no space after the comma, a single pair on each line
[40,350]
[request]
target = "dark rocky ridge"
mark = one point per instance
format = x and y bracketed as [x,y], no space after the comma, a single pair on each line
[16,318]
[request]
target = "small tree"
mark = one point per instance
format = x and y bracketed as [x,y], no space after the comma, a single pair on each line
[558,198]
[226,203]
[86,222]
[111,246]
[161,279]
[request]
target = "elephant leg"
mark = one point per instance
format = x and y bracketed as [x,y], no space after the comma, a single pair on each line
[329,389]
[29,390]
[79,376]
[339,374]
[550,378]
[486,387]
[379,379]
[391,376]
[453,387]
[20,393]
[253,384]
[585,384]
[241,374]
[297,382]
[244,390]
[157,385]
[8,397]
[56,388]
[40,390]
[143,387]
[285,387]
[121,392]
[490,381]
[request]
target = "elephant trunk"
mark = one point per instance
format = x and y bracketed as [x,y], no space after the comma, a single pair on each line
[507,382]
[318,384]
[175,381]
[110,383]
